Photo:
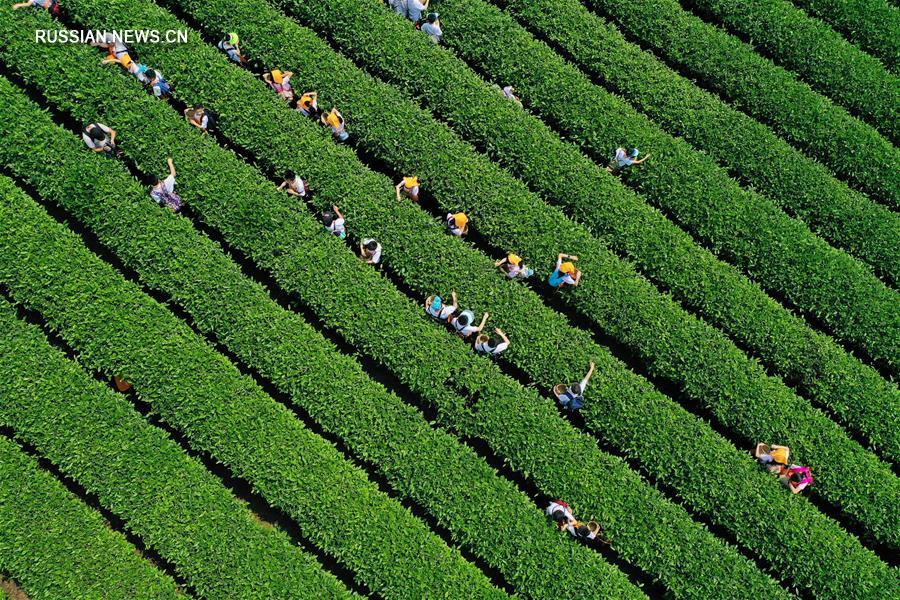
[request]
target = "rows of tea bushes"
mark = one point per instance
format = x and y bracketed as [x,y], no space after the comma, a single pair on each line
[686,351]
[801,186]
[226,414]
[54,546]
[870,24]
[812,50]
[611,491]
[822,371]
[751,83]
[272,238]
[742,226]
[705,360]
[170,500]
[426,464]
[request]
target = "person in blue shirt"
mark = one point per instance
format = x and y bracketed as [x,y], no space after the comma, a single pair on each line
[565,273]
[572,396]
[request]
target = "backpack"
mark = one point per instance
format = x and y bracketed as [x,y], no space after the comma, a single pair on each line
[52,7]
[164,87]
[211,119]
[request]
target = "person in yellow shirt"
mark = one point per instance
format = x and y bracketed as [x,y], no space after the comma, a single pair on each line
[774,458]
[409,187]
[335,120]
[308,104]
[280,81]
[458,223]
[512,266]
[565,273]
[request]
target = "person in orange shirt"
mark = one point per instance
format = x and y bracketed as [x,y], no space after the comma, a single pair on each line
[335,120]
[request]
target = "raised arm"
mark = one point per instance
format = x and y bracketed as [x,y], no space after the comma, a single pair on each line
[577,278]
[500,262]
[453,295]
[501,334]
[637,162]
[171,167]
[283,184]
[112,135]
[484,319]
[397,189]
[590,372]
[267,78]
[337,212]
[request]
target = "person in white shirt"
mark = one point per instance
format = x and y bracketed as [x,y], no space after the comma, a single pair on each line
[463,324]
[414,10]
[370,251]
[509,92]
[139,71]
[584,531]
[436,307]
[294,185]
[100,138]
[112,44]
[624,159]
[432,28]
[560,512]
[334,222]
[399,6]
[198,117]
[164,191]
[493,345]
